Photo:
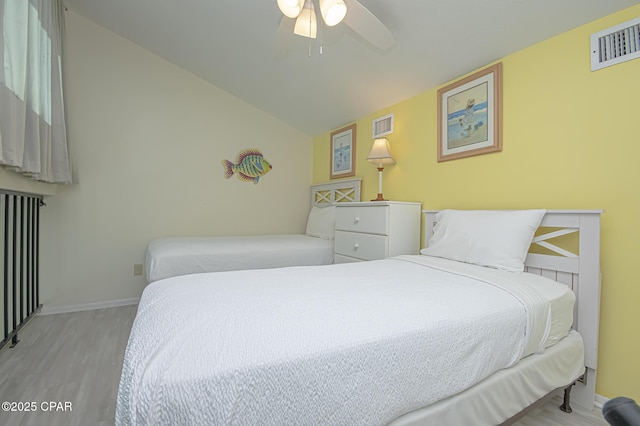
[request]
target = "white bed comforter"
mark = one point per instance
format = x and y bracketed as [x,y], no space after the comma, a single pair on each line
[349,344]
[170,257]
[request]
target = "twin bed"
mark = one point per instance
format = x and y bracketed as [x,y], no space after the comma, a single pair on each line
[170,257]
[455,335]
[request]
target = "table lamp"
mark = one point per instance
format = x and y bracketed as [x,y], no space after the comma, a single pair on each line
[380,156]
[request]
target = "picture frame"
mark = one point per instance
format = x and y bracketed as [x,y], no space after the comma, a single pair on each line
[470,115]
[343,152]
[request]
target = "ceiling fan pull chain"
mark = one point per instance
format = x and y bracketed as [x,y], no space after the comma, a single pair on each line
[321,27]
[321,34]
[311,6]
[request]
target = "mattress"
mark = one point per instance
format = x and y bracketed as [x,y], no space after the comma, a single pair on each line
[170,257]
[560,298]
[507,392]
[361,343]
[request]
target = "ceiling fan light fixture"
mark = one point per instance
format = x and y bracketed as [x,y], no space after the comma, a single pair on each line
[306,24]
[333,11]
[290,8]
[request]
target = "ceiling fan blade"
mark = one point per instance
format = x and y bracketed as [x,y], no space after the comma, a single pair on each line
[284,38]
[365,23]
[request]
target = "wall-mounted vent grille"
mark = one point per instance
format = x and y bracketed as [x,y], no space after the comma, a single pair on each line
[383,126]
[616,44]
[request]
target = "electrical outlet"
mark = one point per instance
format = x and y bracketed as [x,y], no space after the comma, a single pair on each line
[137,269]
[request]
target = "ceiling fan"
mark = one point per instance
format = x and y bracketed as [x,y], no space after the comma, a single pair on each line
[332,12]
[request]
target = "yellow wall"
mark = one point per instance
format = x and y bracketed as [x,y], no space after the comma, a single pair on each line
[571,141]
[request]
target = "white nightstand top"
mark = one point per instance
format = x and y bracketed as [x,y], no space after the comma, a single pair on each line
[374,203]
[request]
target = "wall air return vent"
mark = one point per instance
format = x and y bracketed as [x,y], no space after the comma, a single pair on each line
[616,44]
[383,126]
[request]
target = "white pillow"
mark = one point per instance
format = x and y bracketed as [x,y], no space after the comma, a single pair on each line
[495,238]
[321,222]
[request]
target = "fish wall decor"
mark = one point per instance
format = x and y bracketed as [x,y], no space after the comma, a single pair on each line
[249,166]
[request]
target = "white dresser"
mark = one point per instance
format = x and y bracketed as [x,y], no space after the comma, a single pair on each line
[376,230]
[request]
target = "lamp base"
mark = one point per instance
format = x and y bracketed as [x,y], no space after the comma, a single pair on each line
[379,198]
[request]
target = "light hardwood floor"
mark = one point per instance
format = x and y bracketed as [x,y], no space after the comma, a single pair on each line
[76,358]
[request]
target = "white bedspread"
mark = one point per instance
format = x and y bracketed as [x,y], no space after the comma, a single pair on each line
[349,344]
[170,257]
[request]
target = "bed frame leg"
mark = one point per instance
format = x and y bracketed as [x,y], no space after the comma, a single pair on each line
[566,404]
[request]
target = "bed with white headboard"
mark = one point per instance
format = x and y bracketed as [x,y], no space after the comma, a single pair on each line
[408,340]
[169,257]
[580,271]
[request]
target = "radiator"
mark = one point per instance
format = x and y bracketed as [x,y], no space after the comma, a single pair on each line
[20,226]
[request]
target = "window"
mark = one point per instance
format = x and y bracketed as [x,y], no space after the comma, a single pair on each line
[32,122]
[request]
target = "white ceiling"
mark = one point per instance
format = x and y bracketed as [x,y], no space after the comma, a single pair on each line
[230,43]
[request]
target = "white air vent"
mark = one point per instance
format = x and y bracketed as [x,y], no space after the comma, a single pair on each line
[616,44]
[383,126]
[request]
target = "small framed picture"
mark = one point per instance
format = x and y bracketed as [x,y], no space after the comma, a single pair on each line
[343,152]
[470,115]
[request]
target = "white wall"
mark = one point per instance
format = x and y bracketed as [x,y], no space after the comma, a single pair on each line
[147,140]
[17,182]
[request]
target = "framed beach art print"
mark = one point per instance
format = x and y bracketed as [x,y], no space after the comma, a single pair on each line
[470,115]
[343,152]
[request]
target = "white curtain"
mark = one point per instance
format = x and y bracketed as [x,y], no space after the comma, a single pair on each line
[33,136]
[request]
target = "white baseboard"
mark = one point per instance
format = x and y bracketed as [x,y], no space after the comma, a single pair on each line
[87,306]
[599,401]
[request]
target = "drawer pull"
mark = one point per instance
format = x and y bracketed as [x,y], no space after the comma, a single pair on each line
[356,219]
[355,246]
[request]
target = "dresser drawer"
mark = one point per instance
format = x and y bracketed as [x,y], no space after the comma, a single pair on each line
[357,219]
[361,246]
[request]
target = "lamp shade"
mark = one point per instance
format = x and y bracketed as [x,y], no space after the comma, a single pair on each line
[380,153]
[307,24]
[290,8]
[333,11]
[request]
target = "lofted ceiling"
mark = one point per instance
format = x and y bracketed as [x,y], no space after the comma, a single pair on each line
[232,44]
